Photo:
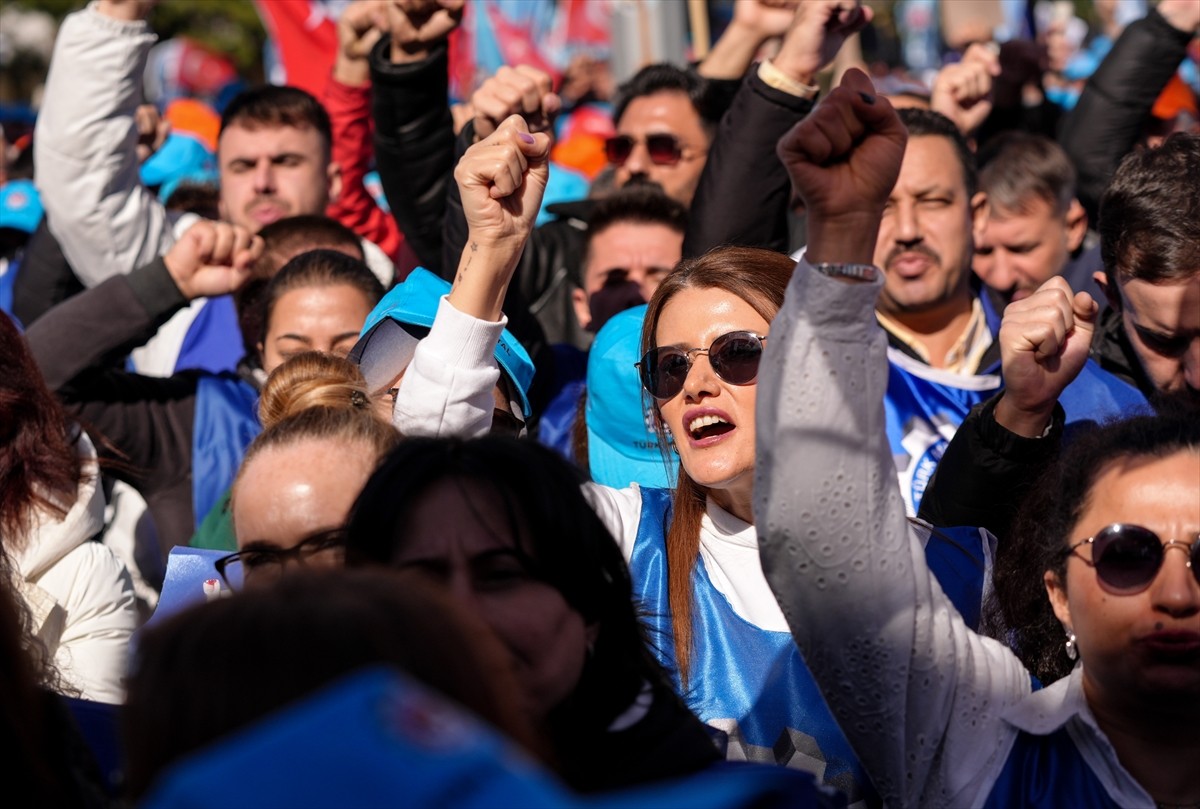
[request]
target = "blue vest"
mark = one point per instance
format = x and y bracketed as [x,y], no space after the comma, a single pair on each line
[751,678]
[213,341]
[226,422]
[924,407]
[1047,772]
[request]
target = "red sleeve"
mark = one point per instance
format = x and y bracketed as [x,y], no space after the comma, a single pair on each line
[349,110]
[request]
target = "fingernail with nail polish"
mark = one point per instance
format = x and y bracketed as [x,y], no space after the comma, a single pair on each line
[525,136]
[867,97]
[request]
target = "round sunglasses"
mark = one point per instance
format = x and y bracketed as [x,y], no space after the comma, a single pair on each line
[1128,557]
[664,149]
[733,356]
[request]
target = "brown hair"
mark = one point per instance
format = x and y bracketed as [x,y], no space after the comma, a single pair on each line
[215,668]
[286,265]
[1020,167]
[274,106]
[760,278]
[1150,215]
[39,469]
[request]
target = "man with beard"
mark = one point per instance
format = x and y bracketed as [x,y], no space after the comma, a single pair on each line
[942,334]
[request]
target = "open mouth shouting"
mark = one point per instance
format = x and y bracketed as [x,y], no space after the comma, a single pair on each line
[707,426]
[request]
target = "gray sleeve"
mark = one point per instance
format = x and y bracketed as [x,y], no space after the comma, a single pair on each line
[918,694]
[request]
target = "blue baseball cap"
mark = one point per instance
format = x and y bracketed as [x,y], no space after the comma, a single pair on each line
[181,156]
[623,446]
[20,206]
[387,342]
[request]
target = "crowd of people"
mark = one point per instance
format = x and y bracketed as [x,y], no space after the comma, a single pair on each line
[489,509]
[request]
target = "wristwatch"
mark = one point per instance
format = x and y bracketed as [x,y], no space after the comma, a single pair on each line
[854,272]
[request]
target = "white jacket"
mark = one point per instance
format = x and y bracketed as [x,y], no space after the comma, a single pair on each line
[85,149]
[79,593]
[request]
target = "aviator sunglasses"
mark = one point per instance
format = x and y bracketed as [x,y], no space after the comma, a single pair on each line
[1128,557]
[664,149]
[733,356]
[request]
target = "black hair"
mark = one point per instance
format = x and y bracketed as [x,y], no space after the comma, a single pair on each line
[1019,611]
[643,203]
[667,78]
[920,122]
[1150,214]
[283,240]
[562,541]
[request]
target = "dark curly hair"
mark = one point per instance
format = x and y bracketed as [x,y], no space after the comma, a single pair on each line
[1019,611]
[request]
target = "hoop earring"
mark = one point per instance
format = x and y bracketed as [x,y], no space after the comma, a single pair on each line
[1072,652]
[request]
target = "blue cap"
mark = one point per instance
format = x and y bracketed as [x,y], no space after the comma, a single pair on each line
[623,446]
[181,155]
[20,206]
[415,303]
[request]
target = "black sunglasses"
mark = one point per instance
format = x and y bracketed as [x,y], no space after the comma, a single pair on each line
[664,149]
[733,356]
[1128,557]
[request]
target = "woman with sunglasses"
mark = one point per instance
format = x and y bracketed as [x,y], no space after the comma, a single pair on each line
[940,715]
[692,552]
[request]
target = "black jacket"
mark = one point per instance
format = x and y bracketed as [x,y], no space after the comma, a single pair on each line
[142,425]
[1116,101]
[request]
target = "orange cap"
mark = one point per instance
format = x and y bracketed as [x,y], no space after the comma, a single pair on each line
[1175,98]
[195,118]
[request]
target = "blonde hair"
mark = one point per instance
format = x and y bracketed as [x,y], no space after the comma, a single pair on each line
[308,380]
[315,396]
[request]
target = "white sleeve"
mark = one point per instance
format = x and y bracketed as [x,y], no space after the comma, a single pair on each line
[918,694]
[95,590]
[619,509]
[85,149]
[447,389]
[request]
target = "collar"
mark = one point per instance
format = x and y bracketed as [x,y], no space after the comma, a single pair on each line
[1063,704]
[728,527]
[968,350]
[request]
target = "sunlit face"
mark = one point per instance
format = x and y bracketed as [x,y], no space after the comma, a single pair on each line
[668,112]
[1162,322]
[1143,647]
[633,252]
[268,173]
[458,536]
[719,456]
[286,494]
[320,318]
[1018,251]
[925,242]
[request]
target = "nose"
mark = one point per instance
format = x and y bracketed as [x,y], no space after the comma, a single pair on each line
[1003,275]
[1175,590]
[638,161]
[264,176]
[907,224]
[701,381]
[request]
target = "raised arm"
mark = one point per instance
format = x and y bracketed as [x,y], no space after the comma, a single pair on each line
[347,99]
[1107,121]
[85,147]
[447,389]
[744,191]
[917,693]
[997,453]
[414,134]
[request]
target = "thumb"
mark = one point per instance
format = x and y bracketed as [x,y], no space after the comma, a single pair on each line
[1086,311]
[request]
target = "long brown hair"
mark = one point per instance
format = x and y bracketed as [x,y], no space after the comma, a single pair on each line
[760,278]
[39,468]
